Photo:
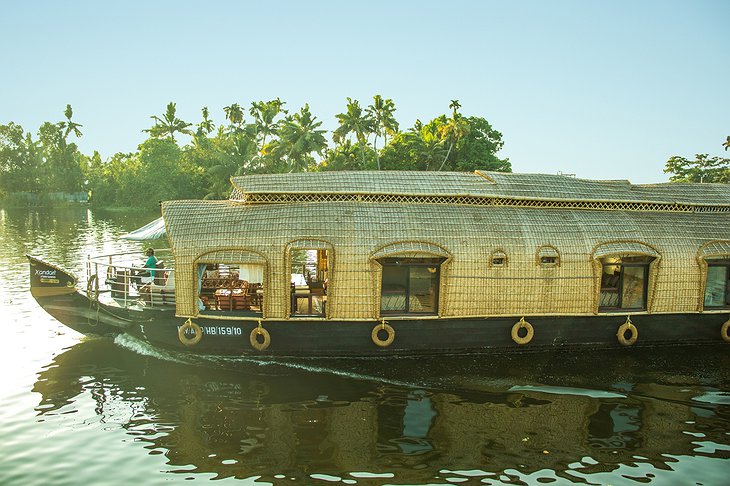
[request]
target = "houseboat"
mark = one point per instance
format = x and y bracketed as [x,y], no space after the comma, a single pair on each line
[406,263]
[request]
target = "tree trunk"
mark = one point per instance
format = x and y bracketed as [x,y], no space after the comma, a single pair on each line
[375,147]
[451,145]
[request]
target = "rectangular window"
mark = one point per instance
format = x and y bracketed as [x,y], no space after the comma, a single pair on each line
[410,285]
[624,283]
[717,290]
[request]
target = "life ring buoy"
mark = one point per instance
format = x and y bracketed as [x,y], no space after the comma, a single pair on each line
[375,335]
[724,331]
[193,340]
[522,324]
[627,327]
[253,338]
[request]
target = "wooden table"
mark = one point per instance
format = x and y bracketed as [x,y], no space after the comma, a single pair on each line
[232,299]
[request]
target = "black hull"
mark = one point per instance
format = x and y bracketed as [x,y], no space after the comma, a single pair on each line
[311,338]
[80,314]
[338,338]
[330,338]
[319,338]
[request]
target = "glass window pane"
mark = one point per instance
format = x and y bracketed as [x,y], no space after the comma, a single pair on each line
[393,293]
[423,289]
[716,290]
[610,277]
[610,296]
[634,285]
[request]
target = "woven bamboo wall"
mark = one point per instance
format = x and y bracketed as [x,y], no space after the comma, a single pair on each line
[468,234]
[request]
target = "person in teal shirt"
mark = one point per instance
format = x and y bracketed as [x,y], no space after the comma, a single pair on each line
[150,263]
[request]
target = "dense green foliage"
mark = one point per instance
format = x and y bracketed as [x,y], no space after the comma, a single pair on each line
[702,169]
[266,139]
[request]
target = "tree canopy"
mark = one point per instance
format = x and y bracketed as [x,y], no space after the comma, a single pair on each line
[702,169]
[183,159]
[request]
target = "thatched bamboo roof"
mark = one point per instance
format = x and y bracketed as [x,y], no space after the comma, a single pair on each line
[480,184]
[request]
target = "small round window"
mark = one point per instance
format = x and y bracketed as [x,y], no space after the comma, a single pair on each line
[548,256]
[497,259]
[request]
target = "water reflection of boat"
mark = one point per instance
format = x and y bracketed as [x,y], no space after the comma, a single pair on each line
[280,420]
[394,263]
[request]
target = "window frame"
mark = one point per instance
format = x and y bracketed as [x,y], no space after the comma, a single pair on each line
[232,257]
[435,262]
[310,294]
[620,289]
[498,255]
[314,244]
[547,256]
[717,263]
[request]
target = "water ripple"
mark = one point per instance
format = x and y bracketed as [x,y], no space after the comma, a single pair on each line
[103,412]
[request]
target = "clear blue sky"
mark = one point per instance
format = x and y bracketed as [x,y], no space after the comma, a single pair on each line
[605,90]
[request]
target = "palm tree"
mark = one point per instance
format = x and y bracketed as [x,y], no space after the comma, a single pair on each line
[234,114]
[417,126]
[356,122]
[454,129]
[69,125]
[206,126]
[341,157]
[454,105]
[727,143]
[431,148]
[300,135]
[168,124]
[384,122]
[263,113]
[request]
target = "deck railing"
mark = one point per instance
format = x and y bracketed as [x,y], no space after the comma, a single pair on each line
[117,277]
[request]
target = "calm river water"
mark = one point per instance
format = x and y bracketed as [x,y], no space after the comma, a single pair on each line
[78,410]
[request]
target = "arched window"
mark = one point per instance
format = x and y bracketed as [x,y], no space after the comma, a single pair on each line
[231,282]
[624,282]
[411,277]
[548,256]
[498,259]
[310,262]
[624,274]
